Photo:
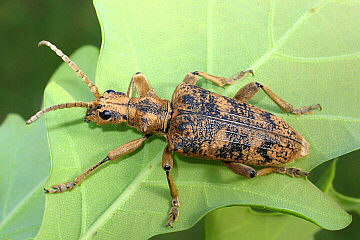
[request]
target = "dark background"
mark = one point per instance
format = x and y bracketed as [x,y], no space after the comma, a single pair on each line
[24,68]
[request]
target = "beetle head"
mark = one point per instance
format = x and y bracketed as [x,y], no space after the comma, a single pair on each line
[111,108]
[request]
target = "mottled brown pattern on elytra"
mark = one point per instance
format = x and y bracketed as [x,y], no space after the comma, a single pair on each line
[208,125]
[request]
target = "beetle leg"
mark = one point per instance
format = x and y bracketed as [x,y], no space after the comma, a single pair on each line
[291,171]
[248,91]
[112,155]
[221,81]
[190,78]
[241,169]
[249,172]
[167,164]
[141,85]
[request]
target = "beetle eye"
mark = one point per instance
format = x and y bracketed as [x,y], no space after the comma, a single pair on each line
[105,115]
[110,91]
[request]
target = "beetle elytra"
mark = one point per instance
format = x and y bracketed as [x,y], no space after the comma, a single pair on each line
[197,123]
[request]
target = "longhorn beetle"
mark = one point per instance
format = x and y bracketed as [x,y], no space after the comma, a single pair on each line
[196,123]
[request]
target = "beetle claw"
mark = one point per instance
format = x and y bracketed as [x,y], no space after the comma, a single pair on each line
[173,216]
[252,72]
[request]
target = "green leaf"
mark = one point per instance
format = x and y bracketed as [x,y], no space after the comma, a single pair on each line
[244,223]
[348,203]
[256,225]
[347,175]
[24,161]
[279,41]
[328,171]
[346,181]
[196,232]
[351,232]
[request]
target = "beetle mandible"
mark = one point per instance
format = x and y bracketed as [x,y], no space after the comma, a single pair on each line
[196,123]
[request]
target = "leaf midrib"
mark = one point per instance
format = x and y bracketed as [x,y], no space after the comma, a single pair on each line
[279,43]
[126,194]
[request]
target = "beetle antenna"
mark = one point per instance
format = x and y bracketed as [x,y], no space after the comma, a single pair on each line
[73,66]
[56,107]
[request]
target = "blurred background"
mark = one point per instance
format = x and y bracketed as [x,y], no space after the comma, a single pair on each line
[25,70]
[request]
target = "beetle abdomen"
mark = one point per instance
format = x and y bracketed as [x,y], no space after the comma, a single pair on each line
[208,125]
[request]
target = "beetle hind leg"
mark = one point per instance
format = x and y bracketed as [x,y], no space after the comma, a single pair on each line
[248,91]
[241,169]
[249,172]
[290,171]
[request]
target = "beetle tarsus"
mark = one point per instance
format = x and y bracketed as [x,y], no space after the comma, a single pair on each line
[291,171]
[306,110]
[60,187]
[174,212]
[173,216]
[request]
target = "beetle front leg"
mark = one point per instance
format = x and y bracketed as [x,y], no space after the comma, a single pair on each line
[167,164]
[248,91]
[141,85]
[112,155]
[190,78]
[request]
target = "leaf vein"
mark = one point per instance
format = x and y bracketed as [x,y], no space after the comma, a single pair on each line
[269,53]
[349,56]
[126,194]
[22,203]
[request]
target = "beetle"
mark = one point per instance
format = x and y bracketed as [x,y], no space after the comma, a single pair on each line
[196,123]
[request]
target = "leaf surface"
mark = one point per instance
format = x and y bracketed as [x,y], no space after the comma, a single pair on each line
[257,224]
[302,63]
[24,161]
[245,223]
